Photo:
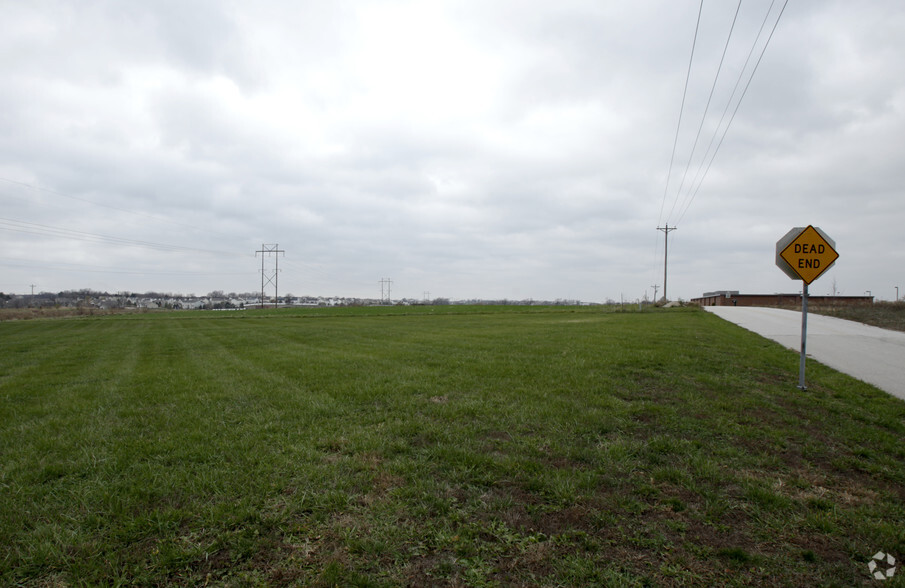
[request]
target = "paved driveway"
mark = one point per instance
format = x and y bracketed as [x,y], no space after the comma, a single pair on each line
[874,355]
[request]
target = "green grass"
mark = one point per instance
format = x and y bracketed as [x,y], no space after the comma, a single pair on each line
[436,446]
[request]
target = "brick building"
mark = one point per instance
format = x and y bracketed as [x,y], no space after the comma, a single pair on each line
[734,298]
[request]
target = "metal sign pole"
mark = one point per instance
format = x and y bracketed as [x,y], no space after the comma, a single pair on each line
[804,336]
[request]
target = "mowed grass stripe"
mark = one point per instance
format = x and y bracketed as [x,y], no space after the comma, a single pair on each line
[403,447]
[58,415]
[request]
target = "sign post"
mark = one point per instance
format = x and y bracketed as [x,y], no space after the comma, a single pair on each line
[804,336]
[804,253]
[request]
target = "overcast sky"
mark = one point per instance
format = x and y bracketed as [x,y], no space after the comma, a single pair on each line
[470,149]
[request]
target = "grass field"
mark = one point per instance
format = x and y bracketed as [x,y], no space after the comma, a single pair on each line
[887,315]
[436,446]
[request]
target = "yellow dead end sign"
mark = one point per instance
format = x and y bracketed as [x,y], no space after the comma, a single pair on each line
[805,253]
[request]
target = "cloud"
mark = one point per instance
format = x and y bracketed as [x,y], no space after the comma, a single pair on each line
[510,149]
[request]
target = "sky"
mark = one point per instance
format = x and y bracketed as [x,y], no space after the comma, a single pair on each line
[511,149]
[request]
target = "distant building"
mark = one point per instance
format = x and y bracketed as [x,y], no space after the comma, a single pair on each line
[734,298]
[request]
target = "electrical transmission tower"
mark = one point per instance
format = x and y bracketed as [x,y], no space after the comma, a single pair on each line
[266,251]
[666,231]
[388,283]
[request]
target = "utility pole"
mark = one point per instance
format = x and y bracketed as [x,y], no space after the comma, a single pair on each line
[666,231]
[267,250]
[655,287]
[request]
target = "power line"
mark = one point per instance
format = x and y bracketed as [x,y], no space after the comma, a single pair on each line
[93,203]
[695,184]
[50,230]
[738,104]
[679,123]
[706,109]
[681,109]
[308,268]
[78,267]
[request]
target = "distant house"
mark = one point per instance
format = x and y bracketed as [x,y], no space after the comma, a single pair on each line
[191,304]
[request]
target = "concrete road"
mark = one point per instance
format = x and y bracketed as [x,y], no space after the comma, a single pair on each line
[876,356]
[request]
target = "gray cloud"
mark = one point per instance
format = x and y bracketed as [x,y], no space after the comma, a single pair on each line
[468,149]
